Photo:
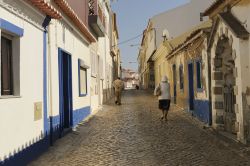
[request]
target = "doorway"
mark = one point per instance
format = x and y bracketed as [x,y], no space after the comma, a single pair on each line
[65,91]
[191,86]
[226,68]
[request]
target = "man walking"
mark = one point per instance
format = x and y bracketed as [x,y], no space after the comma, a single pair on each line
[118,85]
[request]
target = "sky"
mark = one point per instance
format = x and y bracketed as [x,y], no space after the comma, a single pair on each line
[132,19]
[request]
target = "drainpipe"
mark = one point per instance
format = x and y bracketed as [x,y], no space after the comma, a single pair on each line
[47,29]
[50,86]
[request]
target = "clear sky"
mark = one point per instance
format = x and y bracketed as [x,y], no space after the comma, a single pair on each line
[132,19]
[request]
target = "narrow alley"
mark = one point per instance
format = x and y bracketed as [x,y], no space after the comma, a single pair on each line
[133,134]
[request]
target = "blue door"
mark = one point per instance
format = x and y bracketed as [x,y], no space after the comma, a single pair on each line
[65,91]
[191,86]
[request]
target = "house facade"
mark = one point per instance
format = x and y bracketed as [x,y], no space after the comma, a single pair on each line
[228,49]
[49,80]
[189,79]
[115,52]
[163,27]
[23,98]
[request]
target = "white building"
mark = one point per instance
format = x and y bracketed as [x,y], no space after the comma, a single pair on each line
[24,89]
[229,52]
[167,26]
[56,70]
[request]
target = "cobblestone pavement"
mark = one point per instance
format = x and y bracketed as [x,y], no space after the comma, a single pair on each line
[132,134]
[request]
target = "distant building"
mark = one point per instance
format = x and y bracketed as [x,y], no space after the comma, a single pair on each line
[130,78]
[163,27]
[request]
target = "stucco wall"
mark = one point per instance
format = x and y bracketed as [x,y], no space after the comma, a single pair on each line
[17,124]
[240,50]
[201,96]
[75,45]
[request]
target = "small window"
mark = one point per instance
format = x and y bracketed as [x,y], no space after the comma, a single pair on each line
[82,78]
[93,63]
[6,67]
[10,36]
[181,77]
[198,73]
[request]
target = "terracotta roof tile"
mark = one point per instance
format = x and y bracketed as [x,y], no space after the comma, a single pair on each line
[46,8]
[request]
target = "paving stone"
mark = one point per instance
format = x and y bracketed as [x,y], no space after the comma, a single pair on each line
[133,134]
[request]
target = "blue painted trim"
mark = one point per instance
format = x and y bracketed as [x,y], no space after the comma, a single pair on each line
[79,80]
[35,150]
[25,156]
[80,114]
[45,118]
[9,27]
[202,111]
[199,85]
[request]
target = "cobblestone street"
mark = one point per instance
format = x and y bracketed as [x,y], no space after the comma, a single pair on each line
[132,134]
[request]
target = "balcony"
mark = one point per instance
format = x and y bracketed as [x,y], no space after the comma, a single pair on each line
[96,18]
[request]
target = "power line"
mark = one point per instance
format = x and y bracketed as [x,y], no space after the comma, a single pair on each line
[128,40]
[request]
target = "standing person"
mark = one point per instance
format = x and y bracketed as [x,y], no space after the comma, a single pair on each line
[118,85]
[163,90]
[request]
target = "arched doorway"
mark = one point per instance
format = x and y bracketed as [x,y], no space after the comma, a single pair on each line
[225,64]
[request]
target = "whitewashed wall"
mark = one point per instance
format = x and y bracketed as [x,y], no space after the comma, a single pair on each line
[17,125]
[75,45]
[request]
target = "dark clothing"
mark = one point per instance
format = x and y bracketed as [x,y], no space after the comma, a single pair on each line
[164,104]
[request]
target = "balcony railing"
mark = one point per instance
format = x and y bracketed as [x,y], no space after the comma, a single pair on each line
[96,18]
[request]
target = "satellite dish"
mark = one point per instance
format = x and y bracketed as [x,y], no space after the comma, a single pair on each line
[165,34]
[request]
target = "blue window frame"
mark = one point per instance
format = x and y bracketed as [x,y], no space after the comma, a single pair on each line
[199,74]
[181,77]
[82,76]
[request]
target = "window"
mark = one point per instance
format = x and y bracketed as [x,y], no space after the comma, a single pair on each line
[93,63]
[181,77]
[82,78]
[101,68]
[198,73]
[10,35]
[6,67]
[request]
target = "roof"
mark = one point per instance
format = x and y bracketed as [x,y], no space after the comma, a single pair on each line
[46,8]
[64,6]
[197,31]
[211,8]
[170,46]
[234,24]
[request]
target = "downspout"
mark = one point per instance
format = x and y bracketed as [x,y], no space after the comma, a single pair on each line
[47,28]
[50,86]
